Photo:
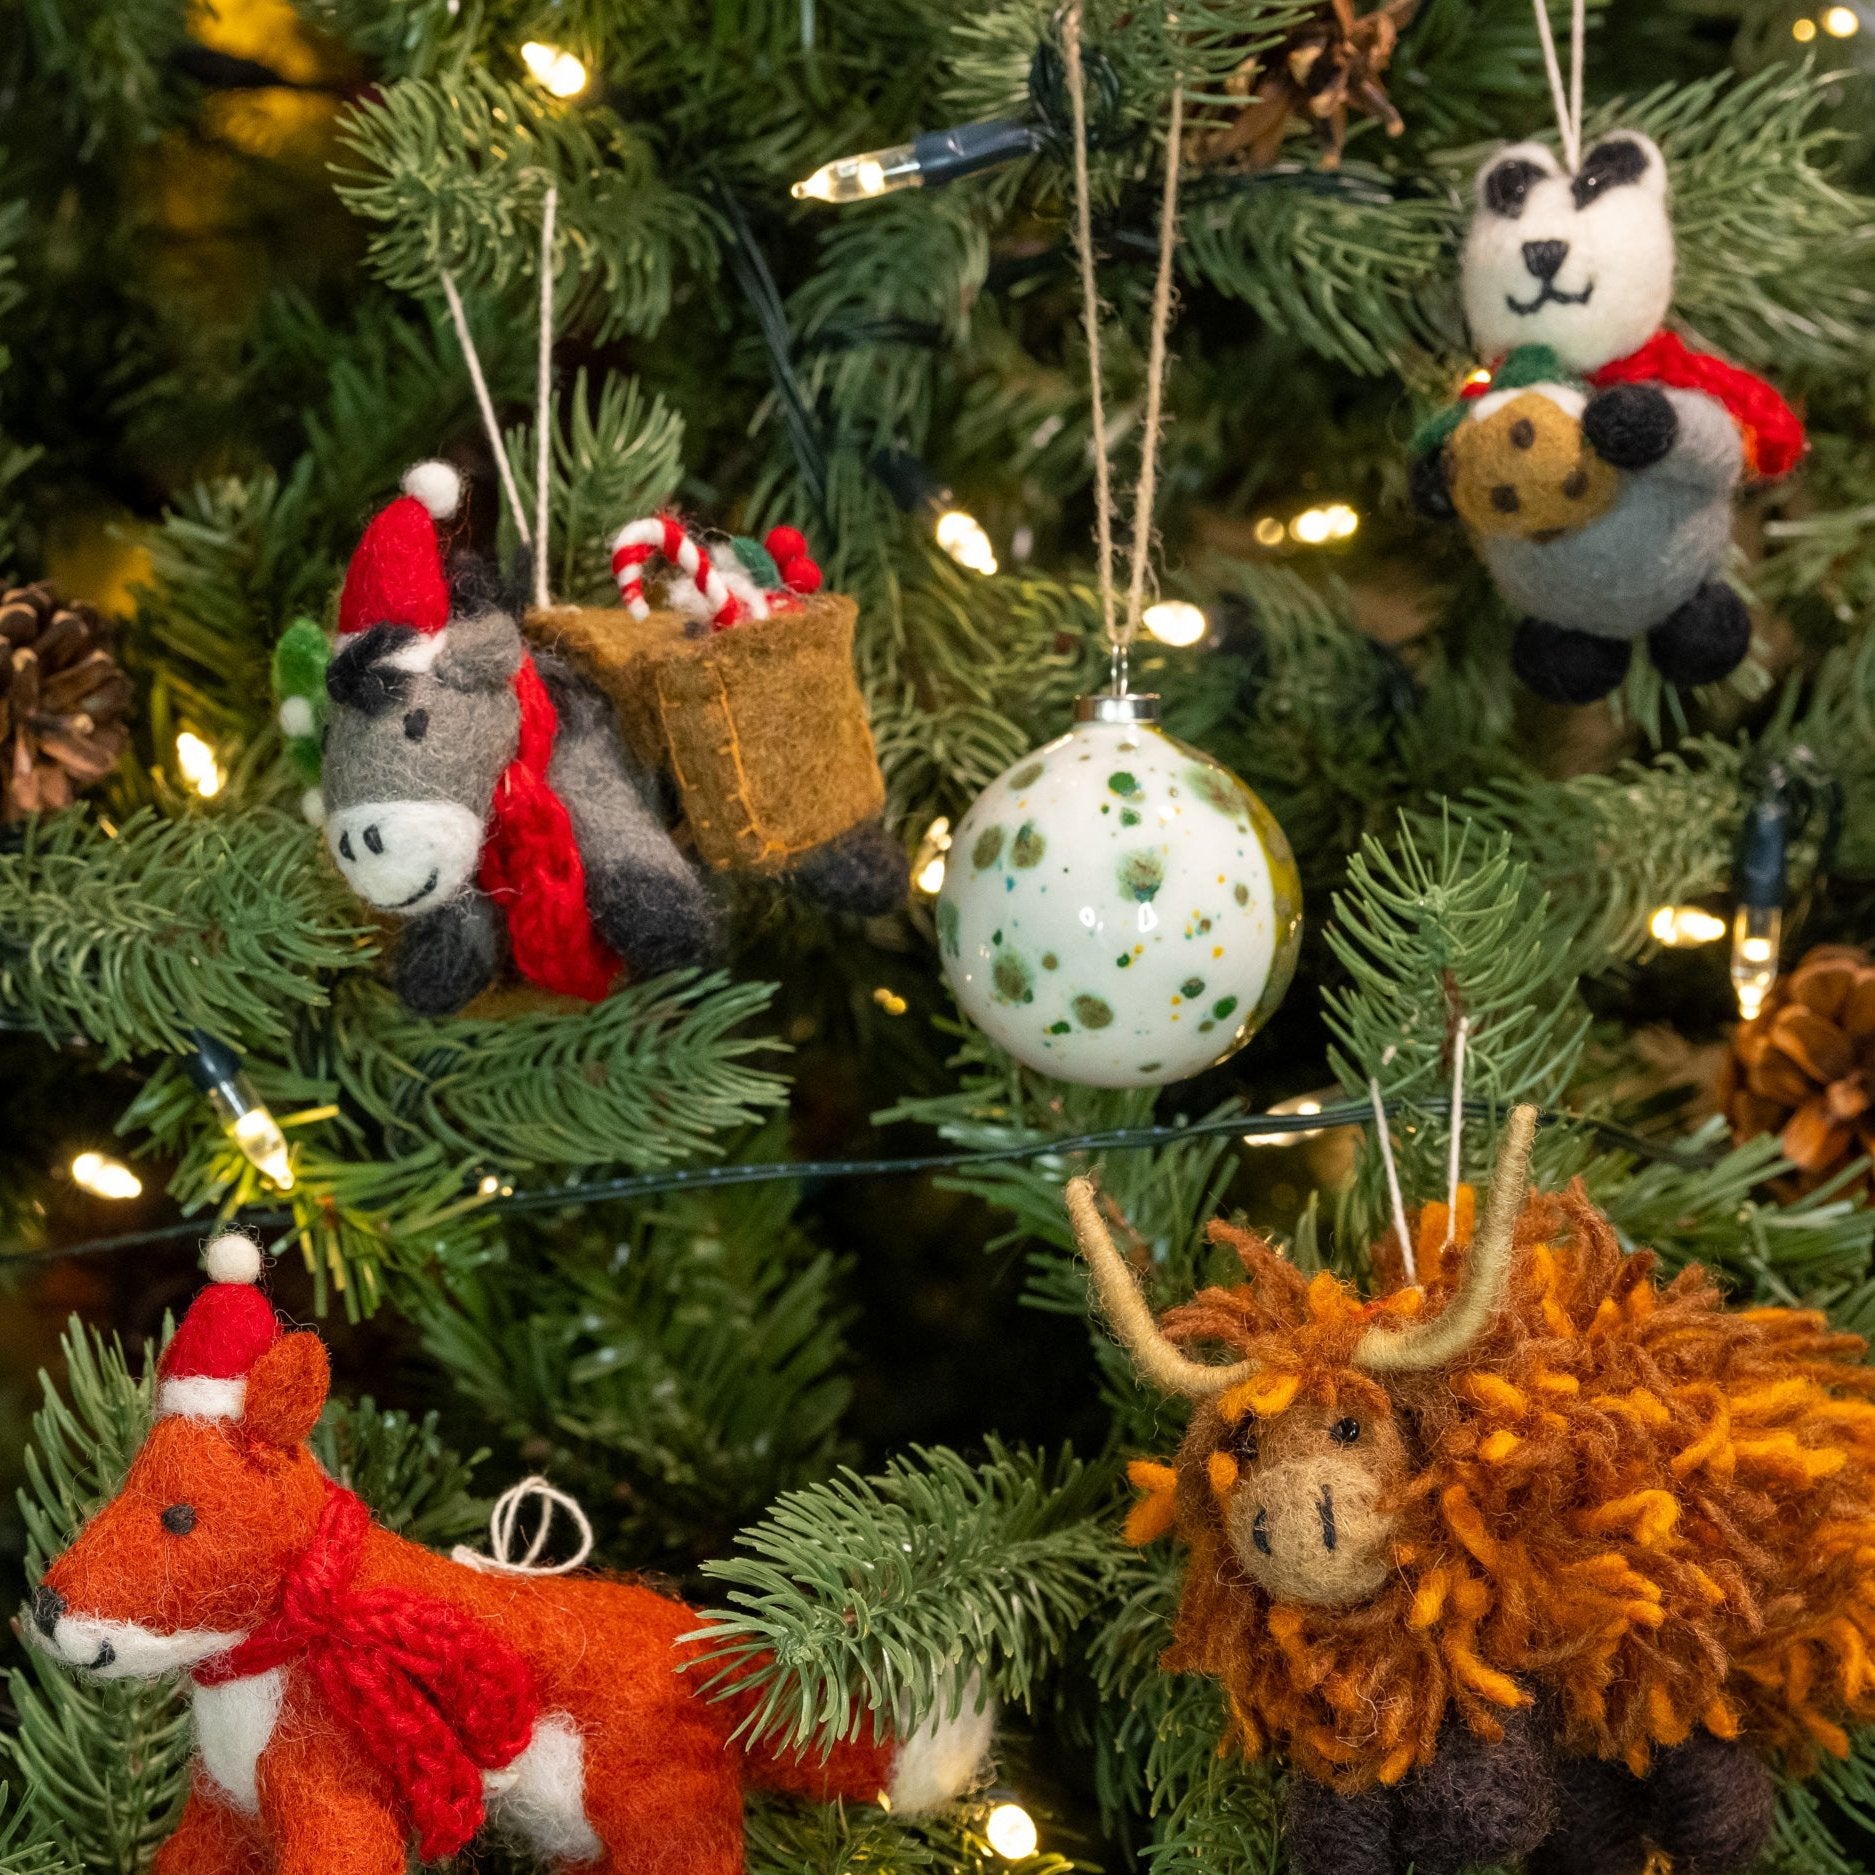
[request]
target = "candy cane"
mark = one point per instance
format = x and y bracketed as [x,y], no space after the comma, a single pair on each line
[663,535]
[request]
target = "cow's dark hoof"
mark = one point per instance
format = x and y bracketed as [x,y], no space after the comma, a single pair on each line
[1329,1834]
[1710,1805]
[656,918]
[1563,665]
[448,956]
[1600,1809]
[1476,1803]
[1705,640]
[864,871]
[1631,426]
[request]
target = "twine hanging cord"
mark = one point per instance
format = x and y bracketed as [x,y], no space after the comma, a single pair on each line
[1568,102]
[1121,631]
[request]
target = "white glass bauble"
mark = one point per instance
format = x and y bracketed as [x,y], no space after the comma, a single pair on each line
[1118,908]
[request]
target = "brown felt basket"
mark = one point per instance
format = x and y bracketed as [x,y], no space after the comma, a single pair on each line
[762,727]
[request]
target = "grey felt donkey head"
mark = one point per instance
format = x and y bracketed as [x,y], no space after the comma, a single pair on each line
[421,727]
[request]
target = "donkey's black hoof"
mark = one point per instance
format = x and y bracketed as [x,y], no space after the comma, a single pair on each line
[448,956]
[864,871]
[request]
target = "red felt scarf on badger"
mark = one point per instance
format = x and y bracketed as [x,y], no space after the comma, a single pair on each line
[431,1693]
[531,865]
[1772,431]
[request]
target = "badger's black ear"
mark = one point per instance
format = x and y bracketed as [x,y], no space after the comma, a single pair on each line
[1616,163]
[361,675]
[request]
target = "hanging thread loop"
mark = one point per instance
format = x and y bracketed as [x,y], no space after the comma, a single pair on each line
[504,1528]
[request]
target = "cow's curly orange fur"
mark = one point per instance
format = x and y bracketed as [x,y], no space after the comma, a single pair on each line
[1660,1511]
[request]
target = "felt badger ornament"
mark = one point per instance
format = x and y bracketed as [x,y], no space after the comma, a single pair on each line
[481,790]
[1541,1561]
[1596,458]
[354,1693]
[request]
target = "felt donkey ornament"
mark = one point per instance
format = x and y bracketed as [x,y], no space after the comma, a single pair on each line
[1537,1559]
[356,1696]
[481,791]
[1595,457]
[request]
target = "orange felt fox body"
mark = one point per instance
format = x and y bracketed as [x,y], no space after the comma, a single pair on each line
[354,1692]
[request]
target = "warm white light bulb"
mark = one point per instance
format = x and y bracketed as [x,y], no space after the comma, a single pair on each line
[1680,925]
[1176,622]
[1311,527]
[263,1145]
[557,70]
[1342,520]
[1299,1104]
[861,178]
[1757,934]
[104,1177]
[1841,22]
[1803,30]
[1270,532]
[927,864]
[1011,1832]
[961,536]
[199,767]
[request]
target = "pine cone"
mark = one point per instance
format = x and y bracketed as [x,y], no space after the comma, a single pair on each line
[1805,1068]
[1328,65]
[63,700]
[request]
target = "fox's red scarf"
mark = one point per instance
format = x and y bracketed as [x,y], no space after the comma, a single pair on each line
[431,1693]
[531,865]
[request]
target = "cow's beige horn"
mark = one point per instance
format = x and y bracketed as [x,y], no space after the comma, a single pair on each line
[1487,1271]
[1155,1357]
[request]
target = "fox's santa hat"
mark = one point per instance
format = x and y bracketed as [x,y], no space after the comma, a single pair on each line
[396,575]
[229,1326]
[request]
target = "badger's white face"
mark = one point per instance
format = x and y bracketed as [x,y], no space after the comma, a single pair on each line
[1582,263]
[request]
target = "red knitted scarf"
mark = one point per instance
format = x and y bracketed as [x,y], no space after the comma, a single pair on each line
[431,1693]
[1772,431]
[531,865]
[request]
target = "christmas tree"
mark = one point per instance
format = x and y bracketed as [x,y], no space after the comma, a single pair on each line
[1040,331]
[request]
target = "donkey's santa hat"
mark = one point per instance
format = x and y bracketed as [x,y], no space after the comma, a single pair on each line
[229,1326]
[396,573]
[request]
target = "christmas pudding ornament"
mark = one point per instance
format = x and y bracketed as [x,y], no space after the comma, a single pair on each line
[1804,1068]
[739,685]
[1595,458]
[481,790]
[1544,1560]
[64,703]
[357,1698]
[299,695]
[1119,909]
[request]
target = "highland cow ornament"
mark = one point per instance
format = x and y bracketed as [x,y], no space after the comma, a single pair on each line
[1595,457]
[1544,1560]
[355,1695]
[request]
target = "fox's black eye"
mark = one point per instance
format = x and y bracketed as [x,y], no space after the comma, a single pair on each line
[1345,1431]
[179,1519]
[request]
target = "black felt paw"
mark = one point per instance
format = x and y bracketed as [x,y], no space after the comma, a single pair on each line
[1329,1834]
[863,871]
[1705,640]
[1630,425]
[448,956]
[656,919]
[1710,1804]
[1478,1804]
[1566,666]
[1599,1818]
[1429,484]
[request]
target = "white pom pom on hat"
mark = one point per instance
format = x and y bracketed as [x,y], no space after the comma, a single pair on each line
[233,1258]
[437,485]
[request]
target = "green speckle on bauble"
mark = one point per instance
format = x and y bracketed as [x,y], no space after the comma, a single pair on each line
[1141,875]
[1013,982]
[1060,1028]
[1028,775]
[1028,846]
[1123,783]
[1217,788]
[948,922]
[988,849]
[1192,988]
[1128,818]
[1122,961]
[1092,1012]
[1223,1006]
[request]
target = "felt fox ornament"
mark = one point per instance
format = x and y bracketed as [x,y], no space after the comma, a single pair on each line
[356,1695]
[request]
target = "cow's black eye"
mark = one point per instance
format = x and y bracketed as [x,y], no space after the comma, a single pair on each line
[1507,187]
[417,725]
[179,1519]
[1345,1431]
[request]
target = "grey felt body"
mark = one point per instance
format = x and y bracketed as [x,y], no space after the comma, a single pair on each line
[1665,537]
